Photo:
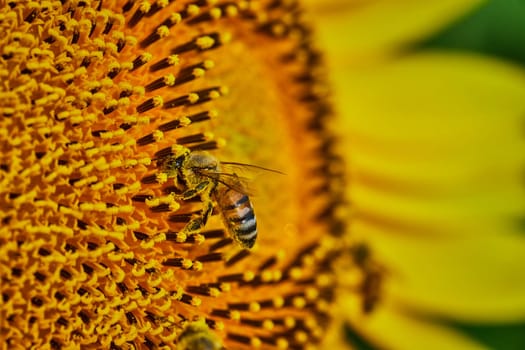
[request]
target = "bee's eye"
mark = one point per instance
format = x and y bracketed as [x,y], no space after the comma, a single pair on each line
[178,161]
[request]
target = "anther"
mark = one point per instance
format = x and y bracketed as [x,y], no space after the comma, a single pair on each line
[173,19]
[32,15]
[213,324]
[238,257]
[140,236]
[179,262]
[120,44]
[145,140]
[210,257]
[191,98]
[252,307]
[213,14]
[227,314]
[141,60]
[178,237]
[263,324]
[143,9]
[166,62]
[159,33]
[184,77]
[128,6]
[268,263]
[161,208]
[206,146]
[190,300]
[156,7]
[200,137]
[203,290]
[220,244]
[174,124]
[253,342]
[113,71]
[149,179]
[167,80]
[191,10]
[237,277]
[75,37]
[202,116]
[186,217]
[202,43]
[150,104]
[213,234]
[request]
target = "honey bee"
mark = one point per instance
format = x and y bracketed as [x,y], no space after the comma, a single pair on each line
[201,173]
[197,336]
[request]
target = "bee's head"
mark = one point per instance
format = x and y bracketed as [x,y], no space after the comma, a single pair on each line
[178,162]
[202,161]
[172,159]
[172,165]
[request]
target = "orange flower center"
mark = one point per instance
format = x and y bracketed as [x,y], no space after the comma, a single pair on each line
[110,238]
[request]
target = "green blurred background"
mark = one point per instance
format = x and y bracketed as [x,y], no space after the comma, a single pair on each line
[496,29]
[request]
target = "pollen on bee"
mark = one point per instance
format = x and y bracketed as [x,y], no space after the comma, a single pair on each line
[161,178]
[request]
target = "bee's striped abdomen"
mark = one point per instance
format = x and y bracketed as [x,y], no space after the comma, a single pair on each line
[238,215]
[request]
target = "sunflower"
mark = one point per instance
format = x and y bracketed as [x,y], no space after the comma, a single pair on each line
[434,143]
[110,239]
[131,134]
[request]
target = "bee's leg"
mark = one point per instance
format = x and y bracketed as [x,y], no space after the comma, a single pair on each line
[203,189]
[194,225]
[206,211]
[195,191]
[199,222]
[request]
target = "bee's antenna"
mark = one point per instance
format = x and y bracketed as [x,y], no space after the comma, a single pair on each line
[254,166]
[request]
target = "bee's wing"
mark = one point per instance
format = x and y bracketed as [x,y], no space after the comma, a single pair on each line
[228,176]
[247,167]
[237,183]
[232,180]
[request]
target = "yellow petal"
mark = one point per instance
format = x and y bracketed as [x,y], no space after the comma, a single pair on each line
[436,158]
[436,143]
[469,279]
[436,210]
[387,328]
[335,338]
[357,29]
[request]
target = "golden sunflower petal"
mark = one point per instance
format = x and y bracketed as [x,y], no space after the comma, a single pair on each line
[387,328]
[436,168]
[335,338]
[373,28]
[463,278]
[444,141]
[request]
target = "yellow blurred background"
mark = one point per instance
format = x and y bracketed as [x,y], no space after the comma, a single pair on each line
[430,97]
